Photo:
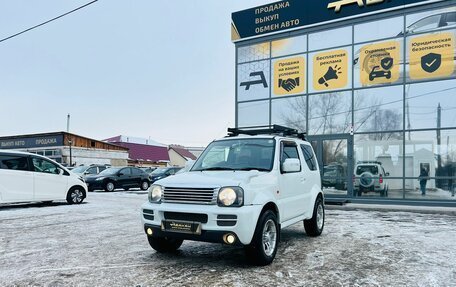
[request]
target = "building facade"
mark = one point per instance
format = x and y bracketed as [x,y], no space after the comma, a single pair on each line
[368,81]
[68,149]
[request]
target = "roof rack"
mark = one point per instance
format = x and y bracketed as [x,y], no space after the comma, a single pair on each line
[262,130]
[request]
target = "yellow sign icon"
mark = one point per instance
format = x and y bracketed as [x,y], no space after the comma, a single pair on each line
[379,63]
[289,76]
[432,56]
[330,70]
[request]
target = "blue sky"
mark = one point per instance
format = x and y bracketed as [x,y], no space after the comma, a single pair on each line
[158,69]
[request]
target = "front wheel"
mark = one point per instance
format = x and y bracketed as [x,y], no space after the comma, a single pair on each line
[164,244]
[109,186]
[75,195]
[144,185]
[314,226]
[263,248]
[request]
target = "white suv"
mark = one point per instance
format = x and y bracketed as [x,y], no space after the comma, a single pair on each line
[370,177]
[242,190]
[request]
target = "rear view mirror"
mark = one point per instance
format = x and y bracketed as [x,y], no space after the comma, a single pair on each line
[291,165]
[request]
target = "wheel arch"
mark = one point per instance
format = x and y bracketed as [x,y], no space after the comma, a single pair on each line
[273,207]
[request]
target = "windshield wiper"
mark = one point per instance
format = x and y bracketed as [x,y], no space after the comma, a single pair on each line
[215,168]
[254,168]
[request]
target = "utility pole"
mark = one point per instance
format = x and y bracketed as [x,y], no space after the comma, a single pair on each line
[408,121]
[439,156]
[68,123]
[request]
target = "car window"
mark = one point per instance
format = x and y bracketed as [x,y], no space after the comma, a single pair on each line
[42,165]
[289,151]
[367,168]
[101,168]
[136,171]
[425,24]
[14,162]
[126,171]
[309,157]
[450,19]
[92,170]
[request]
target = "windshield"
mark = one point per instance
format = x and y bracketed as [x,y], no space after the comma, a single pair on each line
[110,171]
[158,171]
[79,169]
[237,154]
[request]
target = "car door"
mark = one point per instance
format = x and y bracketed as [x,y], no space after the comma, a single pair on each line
[291,183]
[16,179]
[124,177]
[136,176]
[50,181]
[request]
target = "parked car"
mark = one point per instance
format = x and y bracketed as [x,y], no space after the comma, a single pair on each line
[27,177]
[370,177]
[241,191]
[92,169]
[119,177]
[163,172]
[149,170]
[335,175]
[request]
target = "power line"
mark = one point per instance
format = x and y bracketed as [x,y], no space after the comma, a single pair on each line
[48,21]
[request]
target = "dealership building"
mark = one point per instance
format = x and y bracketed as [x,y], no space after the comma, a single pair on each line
[67,148]
[369,81]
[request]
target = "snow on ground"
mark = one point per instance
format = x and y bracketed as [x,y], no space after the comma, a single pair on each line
[102,243]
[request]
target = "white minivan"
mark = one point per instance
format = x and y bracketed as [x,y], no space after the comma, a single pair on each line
[27,177]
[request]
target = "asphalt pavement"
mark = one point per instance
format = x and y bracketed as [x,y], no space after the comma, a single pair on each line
[102,243]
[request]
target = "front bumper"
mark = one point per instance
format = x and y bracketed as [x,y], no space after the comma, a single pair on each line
[215,221]
[94,185]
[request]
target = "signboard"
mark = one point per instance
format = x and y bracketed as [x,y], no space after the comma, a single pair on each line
[253,80]
[289,77]
[330,70]
[285,15]
[432,56]
[31,142]
[379,63]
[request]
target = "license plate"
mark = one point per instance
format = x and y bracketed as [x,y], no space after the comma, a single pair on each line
[181,226]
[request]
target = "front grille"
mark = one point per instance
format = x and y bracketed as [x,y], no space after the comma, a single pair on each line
[190,195]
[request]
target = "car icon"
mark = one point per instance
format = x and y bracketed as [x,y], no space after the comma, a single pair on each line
[378,73]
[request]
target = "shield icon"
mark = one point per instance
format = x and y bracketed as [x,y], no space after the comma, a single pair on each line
[387,63]
[431,62]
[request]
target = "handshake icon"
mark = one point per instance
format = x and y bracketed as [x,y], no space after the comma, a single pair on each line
[289,84]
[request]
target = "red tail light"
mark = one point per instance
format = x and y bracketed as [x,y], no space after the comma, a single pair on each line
[380,180]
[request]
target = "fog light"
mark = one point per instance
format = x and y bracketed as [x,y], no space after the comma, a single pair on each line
[149,231]
[229,238]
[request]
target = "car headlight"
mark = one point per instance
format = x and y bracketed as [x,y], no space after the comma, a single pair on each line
[230,196]
[155,193]
[99,178]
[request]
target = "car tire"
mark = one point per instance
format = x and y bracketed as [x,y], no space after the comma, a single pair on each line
[109,186]
[263,248]
[164,244]
[75,195]
[145,185]
[315,225]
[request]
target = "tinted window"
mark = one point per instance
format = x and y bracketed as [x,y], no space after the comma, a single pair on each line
[42,165]
[367,168]
[309,157]
[136,171]
[13,162]
[126,171]
[450,18]
[92,170]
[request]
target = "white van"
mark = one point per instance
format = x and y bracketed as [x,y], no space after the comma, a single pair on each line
[27,177]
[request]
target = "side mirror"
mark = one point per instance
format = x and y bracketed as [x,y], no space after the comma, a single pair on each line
[120,174]
[86,172]
[59,171]
[387,173]
[291,165]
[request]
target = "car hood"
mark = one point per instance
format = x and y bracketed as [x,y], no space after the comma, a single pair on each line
[210,179]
